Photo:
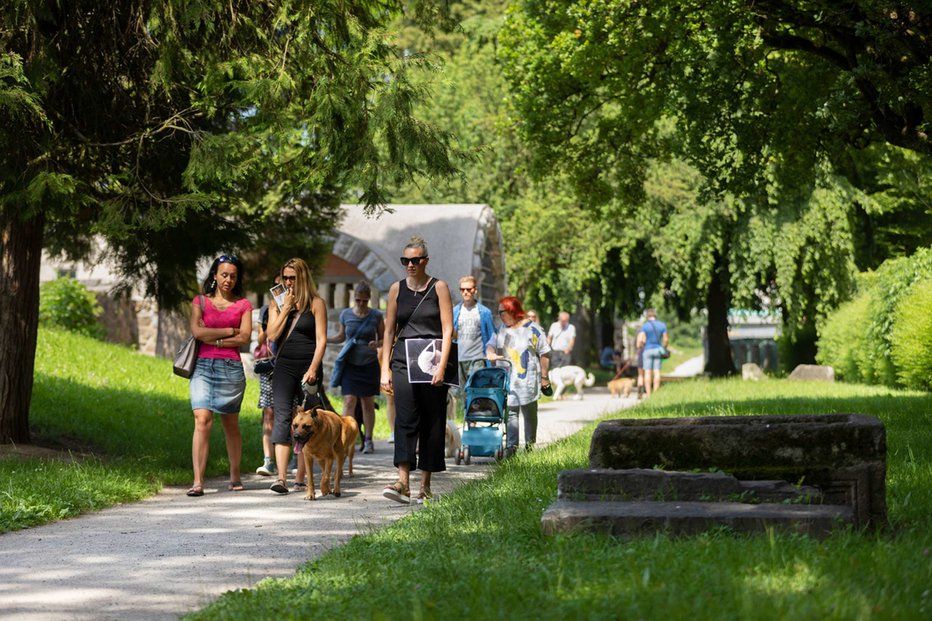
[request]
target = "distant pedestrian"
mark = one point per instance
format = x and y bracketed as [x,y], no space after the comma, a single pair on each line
[266,349]
[562,338]
[653,338]
[356,369]
[222,322]
[532,315]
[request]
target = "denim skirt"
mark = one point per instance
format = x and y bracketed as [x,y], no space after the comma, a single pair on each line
[218,385]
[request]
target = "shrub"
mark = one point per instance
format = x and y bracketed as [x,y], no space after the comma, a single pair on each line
[66,303]
[911,345]
[894,279]
[843,339]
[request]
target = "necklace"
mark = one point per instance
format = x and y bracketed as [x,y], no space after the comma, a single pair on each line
[419,289]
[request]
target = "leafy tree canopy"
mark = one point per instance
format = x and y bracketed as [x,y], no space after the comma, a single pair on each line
[761,91]
[176,127]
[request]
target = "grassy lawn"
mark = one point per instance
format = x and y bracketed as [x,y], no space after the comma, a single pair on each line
[479,552]
[127,422]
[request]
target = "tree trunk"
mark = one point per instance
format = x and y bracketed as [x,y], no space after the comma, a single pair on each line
[720,362]
[20,260]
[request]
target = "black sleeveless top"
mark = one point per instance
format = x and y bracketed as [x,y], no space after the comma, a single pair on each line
[426,322]
[302,343]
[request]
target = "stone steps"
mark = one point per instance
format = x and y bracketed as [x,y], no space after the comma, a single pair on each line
[625,519]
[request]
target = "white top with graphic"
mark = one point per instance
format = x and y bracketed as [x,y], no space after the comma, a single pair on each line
[523,345]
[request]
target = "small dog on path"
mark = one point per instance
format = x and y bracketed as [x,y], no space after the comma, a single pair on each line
[621,386]
[563,377]
[331,439]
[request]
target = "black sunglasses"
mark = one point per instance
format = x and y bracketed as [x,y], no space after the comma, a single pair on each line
[502,311]
[223,258]
[412,260]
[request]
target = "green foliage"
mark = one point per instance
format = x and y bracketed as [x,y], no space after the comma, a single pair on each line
[490,528]
[911,342]
[859,338]
[843,339]
[176,129]
[66,303]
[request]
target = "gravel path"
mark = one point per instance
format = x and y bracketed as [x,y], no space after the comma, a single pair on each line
[170,554]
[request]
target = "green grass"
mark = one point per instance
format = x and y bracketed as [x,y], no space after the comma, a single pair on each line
[128,422]
[479,553]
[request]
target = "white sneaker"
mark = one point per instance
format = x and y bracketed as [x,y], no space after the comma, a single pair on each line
[391,438]
[267,468]
[368,447]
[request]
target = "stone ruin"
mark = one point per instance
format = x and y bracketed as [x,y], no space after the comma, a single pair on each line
[806,474]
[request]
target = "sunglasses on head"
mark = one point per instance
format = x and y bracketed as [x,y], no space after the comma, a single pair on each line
[412,260]
[227,258]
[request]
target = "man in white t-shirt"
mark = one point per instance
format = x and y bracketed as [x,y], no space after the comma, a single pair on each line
[562,337]
[473,329]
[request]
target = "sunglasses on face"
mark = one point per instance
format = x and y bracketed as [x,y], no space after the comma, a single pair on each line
[467,289]
[412,260]
[289,278]
[502,311]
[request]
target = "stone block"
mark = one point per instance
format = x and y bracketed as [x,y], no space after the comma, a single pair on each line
[750,371]
[844,455]
[813,372]
[627,519]
[661,485]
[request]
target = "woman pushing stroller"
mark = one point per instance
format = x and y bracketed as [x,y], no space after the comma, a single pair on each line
[523,343]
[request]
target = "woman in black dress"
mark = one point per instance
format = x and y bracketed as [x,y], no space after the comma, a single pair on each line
[299,329]
[419,306]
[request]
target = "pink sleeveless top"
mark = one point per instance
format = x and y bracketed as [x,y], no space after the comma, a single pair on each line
[230,317]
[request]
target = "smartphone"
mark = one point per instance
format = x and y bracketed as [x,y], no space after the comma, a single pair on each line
[278,294]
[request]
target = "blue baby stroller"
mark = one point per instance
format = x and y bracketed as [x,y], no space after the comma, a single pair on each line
[486,414]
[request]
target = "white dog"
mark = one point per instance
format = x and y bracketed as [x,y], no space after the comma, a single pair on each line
[452,434]
[563,377]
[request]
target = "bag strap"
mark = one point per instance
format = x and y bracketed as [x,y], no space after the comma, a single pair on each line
[654,330]
[290,330]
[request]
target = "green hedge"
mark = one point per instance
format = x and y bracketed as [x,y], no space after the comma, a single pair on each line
[859,338]
[912,337]
[66,303]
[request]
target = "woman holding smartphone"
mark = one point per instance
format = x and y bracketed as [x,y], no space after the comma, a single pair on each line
[299,328]
[419,306]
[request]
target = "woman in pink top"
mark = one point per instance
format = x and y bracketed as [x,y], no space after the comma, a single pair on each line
[223,325]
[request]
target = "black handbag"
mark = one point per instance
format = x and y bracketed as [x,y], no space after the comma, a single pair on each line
[186,356]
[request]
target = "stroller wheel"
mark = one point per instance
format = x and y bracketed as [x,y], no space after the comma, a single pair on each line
[459,457]
[499,454]
[468,457]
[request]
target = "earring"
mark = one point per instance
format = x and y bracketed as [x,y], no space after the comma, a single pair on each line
[213,285]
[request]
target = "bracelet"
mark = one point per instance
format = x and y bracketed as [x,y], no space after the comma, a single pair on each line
[219,342]
[232,332]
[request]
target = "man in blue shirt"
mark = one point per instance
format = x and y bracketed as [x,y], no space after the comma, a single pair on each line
[473,329]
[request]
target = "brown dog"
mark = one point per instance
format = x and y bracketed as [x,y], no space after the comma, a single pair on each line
[323,435]
[621,386]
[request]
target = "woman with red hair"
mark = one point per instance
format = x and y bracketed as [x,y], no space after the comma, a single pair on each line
[524,344]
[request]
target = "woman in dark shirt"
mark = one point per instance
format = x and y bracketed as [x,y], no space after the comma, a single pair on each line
[419,306]
[299,329]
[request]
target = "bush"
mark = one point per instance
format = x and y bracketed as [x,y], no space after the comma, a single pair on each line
[66,303]
[858,338]
[843,339]
[911,346]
